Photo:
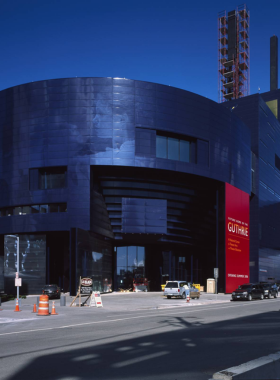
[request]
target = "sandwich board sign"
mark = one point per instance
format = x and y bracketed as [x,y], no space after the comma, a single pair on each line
[95,300]
[86,286]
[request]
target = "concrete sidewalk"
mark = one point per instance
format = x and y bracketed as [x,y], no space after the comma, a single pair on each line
[112,303]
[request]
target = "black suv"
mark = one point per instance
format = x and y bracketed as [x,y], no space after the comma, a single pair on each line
[248,292]
[53,291]
[269,290]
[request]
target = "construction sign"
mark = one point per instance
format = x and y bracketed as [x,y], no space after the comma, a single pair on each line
[95,300]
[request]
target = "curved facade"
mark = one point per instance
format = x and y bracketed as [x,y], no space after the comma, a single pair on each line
[91,167]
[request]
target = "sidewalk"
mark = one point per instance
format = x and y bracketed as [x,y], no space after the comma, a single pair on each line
[112,303]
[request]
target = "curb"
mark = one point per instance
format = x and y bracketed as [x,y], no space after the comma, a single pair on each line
[264,368]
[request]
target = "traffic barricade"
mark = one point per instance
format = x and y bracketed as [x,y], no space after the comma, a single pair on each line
[43,309]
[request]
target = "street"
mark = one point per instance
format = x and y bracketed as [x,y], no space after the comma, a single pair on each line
[137,336]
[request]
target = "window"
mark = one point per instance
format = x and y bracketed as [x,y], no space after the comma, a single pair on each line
[161,147]
[273,106]
[33,209]
[277,161]
[48,178]
[43,209]
[184,151]
[173,148]
[52,178]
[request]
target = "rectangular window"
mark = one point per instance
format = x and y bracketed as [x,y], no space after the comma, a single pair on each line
[52,178]
[184,151]
[35,209]
[43,209]
[17,210]
[53,207]
[173,149]
[62,207]
[26,210]
[161,147]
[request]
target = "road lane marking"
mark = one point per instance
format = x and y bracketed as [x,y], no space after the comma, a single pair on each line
[140,359]
[12,320]
[135,317]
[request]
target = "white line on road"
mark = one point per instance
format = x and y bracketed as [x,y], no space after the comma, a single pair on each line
[139,359]
[136,317]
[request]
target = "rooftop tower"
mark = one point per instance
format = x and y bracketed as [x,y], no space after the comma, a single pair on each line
[273,63]
[233,54]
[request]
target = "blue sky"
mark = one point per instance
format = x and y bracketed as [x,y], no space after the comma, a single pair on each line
[169,42]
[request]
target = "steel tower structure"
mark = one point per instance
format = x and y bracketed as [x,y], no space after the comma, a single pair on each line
[233,54]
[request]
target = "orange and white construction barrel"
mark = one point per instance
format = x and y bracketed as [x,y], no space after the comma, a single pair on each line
[43,308]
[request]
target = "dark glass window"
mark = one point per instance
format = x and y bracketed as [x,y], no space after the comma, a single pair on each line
[184,151]
[17,210]
[43,209]
[130,265]
[131,257]
[35,209]
[62,207]
[173,149]
[54,207]
[121,257]
[9,211]
[161,147]
[277,162]
[52,178]
[26,210]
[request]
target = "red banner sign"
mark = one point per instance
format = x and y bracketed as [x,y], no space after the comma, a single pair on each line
[237,238]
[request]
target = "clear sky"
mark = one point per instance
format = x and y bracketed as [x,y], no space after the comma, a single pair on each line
[172,42]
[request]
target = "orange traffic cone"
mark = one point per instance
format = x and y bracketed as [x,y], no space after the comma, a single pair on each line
[34,308]
[53,310]
[188,298]
[17,306]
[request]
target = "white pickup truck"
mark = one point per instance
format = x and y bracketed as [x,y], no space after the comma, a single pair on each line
[180,289]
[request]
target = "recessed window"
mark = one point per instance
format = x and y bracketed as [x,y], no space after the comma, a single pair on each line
[185,151]
[173,148]
[33,209]
[161,147]
[43,209]
[52,178]
[48,178]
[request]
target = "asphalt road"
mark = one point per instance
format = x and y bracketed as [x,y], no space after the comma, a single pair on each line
[137,336]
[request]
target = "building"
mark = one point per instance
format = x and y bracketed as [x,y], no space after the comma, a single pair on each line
[115,178]
[233,54]
[260,113]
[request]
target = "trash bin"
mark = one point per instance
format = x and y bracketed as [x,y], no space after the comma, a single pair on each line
[210,285]
[163,287]
[62,300]
[201,288]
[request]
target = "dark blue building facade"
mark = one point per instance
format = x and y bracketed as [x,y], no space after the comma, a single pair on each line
[260,113]
[114,178]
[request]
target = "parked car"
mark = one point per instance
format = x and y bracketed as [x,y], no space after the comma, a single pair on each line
[248,292]
[270,290]
[53,291]
[180,289]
